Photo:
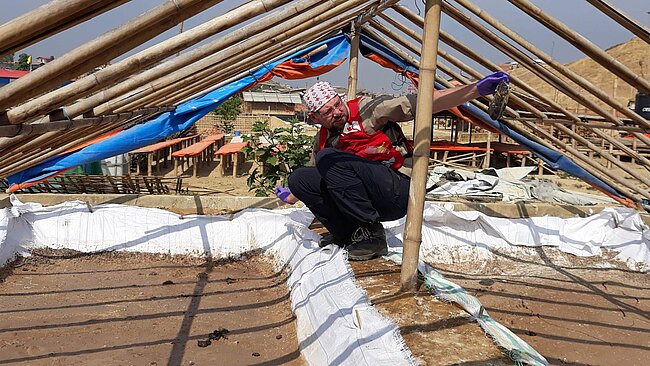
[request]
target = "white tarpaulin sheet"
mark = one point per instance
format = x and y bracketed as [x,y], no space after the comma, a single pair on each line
[455,237]
[336,324]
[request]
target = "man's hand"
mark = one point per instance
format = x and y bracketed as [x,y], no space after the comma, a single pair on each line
[488,84]
[284,194]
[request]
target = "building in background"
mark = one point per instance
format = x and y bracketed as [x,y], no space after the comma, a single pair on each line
[7,76]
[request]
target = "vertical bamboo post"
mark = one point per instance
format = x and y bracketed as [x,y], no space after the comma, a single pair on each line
[354,63]
[486,161]
[422,134]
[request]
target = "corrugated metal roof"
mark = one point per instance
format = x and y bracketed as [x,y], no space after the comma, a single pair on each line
[272,97]
[12,74]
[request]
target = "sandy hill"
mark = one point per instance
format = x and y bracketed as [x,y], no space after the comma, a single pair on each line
[635,54]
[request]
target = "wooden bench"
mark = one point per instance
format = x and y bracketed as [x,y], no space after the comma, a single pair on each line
[231,154]
[162,149]
[199,152]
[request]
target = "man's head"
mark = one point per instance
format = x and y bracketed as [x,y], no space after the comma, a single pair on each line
[325,106]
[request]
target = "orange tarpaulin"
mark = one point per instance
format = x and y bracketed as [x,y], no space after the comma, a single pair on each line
[216,137]
[194,149]
[230,148]
[161,145]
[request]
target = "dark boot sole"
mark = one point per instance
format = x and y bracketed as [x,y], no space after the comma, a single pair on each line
[367,257]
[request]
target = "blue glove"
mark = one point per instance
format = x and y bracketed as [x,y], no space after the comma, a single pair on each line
[282,193]
[488,84]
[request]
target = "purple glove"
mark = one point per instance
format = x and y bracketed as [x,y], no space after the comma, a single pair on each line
[282,193]
[488,84]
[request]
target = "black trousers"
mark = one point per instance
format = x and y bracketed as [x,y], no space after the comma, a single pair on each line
[345,190]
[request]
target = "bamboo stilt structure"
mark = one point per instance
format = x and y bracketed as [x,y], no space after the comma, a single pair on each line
[189,58]
[29,129]
[571,75]
[101,50]
[460,47]
[30,160]
[508,49]
[584,45]
[139,61]
[49,19]
[353,64]
[253,61]
[459,64]
[440,66]
[422,137]
[623,19]
[418,21]
[206,68]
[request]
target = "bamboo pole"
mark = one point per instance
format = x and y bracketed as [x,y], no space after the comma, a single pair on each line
[353,63]
[206,68]
[605,126]
[571,75]
[623,19]
[422,137]
[101,50]
[580,159]
[30,160]
[459,64]
[200,53]
[139,61]
[400,40]
[49,19]
[254,61]
[460,47]
[511,51]
[584,45]
[214,74]
[415,19]
[30,129]
[595,165]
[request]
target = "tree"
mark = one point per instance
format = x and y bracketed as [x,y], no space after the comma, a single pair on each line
[229,110]
[9,61]
[278,153]
[23,63]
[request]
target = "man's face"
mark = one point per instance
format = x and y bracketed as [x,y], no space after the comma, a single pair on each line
[333,114]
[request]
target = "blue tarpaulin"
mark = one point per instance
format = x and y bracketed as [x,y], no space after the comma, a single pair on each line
[185,114]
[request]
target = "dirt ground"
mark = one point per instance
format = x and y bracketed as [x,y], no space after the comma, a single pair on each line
[574,311]
[61,308]
[437,333]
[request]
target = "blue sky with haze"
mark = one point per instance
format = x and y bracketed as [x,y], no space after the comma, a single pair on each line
[578,14]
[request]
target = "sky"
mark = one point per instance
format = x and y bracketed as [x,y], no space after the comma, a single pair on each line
[577,14]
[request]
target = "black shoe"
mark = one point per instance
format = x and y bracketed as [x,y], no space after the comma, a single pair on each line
[368,242]
[327,239]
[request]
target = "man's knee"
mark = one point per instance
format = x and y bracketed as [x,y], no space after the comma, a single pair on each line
[297,178]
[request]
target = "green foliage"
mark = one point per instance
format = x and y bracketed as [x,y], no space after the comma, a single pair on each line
[229,110]
[9,60]
[291,150]
[22,62]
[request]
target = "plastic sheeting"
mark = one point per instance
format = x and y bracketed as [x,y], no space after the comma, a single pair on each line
[186,114]
[470,236]
[336,324]
[504,185]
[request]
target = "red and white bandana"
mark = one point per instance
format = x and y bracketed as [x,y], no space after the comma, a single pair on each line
[319,94]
